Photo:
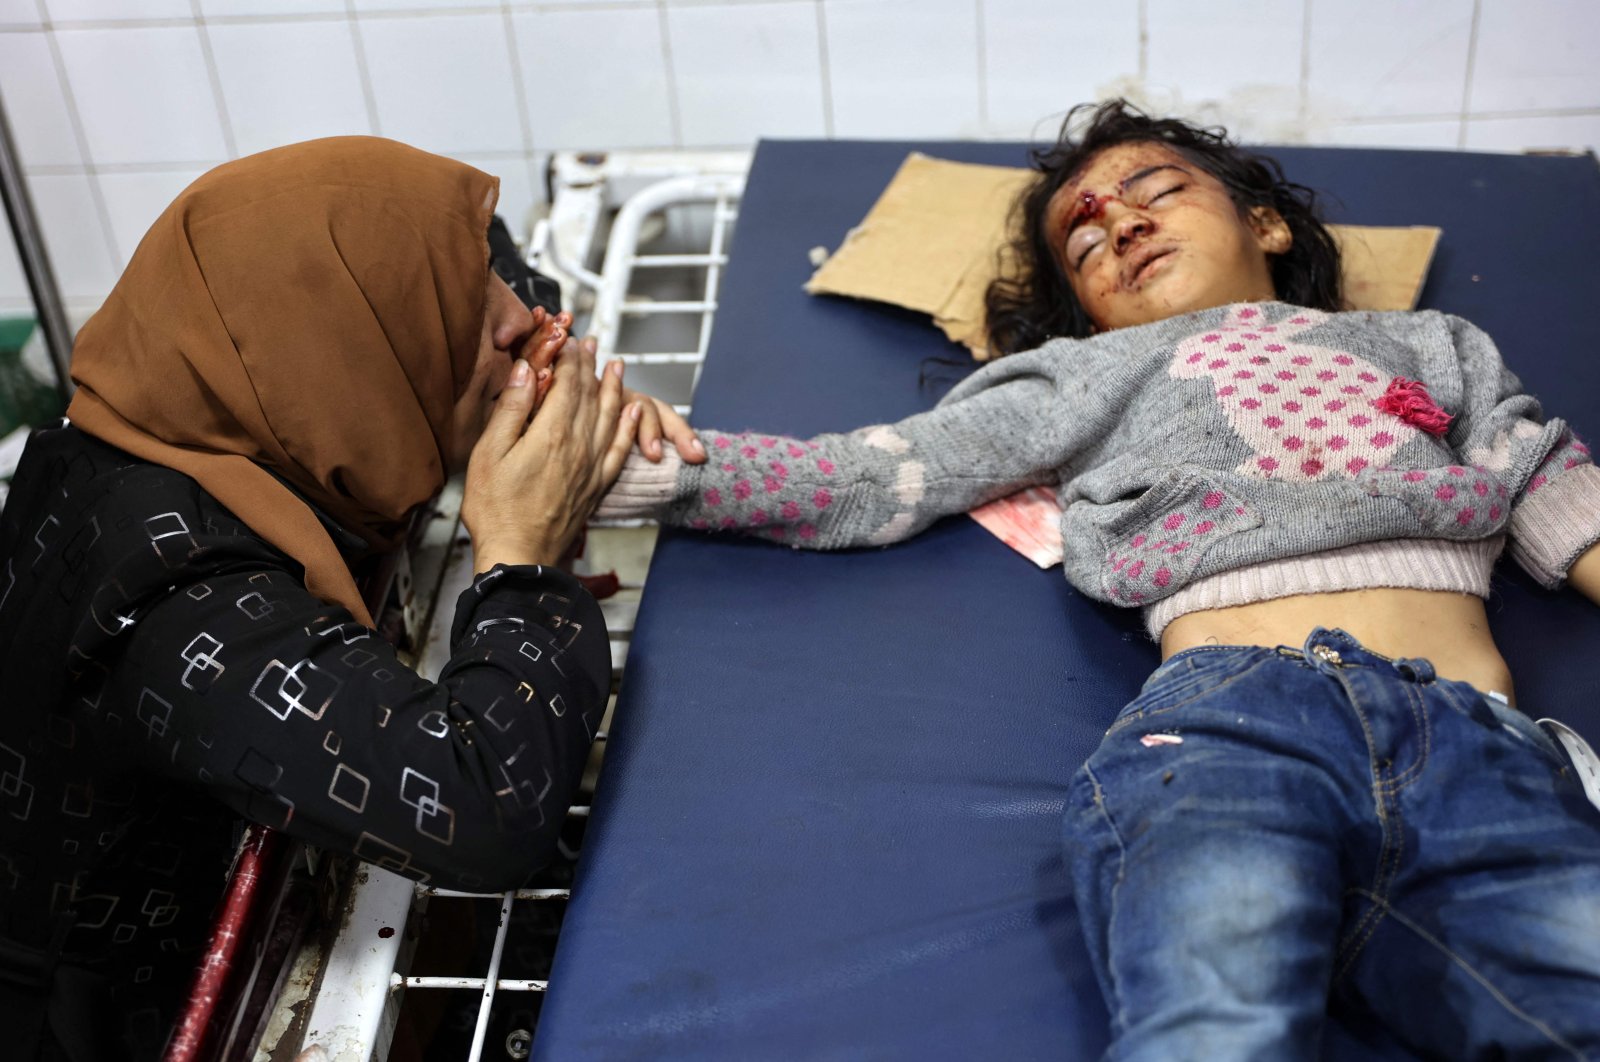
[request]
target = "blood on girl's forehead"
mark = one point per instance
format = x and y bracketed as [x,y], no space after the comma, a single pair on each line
[1090,207]
[1113,166]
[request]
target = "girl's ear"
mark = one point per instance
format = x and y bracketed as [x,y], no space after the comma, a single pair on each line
[1272,232]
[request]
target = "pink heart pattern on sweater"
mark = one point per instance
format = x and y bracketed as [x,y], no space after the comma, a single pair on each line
[1308,412]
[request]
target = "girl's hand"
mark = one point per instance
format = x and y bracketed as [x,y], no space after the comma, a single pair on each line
[661,420]
[548,336]
[657,420]
[533,483]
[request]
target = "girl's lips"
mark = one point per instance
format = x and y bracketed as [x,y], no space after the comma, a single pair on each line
[1150,268]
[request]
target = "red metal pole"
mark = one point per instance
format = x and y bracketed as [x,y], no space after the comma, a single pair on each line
[210,981]
[260,844]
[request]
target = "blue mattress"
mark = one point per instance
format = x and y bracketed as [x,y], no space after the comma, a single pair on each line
[828,822]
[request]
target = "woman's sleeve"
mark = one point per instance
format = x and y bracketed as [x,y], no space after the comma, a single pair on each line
[1555,511]
[873,486]
[300,718]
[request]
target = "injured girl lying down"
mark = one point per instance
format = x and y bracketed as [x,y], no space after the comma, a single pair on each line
[1306,503]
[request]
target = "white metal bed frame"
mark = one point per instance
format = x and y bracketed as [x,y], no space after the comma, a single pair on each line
[355,996]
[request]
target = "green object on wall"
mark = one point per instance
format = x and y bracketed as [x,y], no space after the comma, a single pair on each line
[26,397]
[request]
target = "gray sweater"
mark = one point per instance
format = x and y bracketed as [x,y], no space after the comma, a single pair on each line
[1221,457]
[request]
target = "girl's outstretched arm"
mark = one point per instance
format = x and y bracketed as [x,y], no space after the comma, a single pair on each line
[872,486]
[1555,517]
[1584,575]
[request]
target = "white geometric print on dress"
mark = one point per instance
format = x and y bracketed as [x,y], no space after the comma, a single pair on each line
[201,655]
[304,688]
[18,793]
[1307,411]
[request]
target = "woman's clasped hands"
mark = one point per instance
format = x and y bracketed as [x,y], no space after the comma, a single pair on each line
[553,444]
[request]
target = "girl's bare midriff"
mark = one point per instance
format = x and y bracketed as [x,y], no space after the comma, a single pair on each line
[1450,630]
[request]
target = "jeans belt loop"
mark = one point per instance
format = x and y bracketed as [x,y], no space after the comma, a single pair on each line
[1415,670]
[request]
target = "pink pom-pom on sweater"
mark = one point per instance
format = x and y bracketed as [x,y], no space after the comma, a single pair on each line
[1409,400]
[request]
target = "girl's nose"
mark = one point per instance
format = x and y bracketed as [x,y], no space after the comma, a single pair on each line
[1132,225]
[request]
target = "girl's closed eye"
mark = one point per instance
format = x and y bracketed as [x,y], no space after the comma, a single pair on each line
[1083,240]
[1164,193]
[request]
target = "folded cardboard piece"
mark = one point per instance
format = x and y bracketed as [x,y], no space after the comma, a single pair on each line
[933,242]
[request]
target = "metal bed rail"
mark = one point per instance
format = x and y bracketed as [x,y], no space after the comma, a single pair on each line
[35,256]
[623,259]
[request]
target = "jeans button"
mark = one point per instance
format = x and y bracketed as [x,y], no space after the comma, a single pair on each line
[1326,655]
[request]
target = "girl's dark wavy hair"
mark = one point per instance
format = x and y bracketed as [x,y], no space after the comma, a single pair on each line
[1031,300]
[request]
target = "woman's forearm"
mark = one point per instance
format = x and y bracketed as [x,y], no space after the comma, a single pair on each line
[298,717]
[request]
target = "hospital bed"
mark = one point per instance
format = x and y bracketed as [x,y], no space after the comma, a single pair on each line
[828,826]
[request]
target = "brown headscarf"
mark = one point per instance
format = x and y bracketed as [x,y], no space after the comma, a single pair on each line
[314,310]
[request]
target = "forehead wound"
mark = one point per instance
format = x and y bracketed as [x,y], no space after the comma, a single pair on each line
[1083,205]
[1090,206]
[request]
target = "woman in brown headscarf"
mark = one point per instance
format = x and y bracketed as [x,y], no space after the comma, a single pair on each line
[304,345]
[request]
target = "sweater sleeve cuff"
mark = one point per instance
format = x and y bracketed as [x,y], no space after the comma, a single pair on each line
[1554,524]
[643,490]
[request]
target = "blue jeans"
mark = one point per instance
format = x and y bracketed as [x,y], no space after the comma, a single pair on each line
[1271,842]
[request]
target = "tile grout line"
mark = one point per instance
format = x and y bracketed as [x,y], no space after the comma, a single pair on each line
[469,156]
[981,41]
[363,68]
[168,166]
[1303,116]
[1472,64]
[486,7]
[1144,43]
[824,67]
[674,114]
[1445,116]
[513,154]
[97,194]
[524,114]
[59,169]
[229,143]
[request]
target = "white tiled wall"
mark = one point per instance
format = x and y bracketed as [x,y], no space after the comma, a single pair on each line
[143,94]
[288,81]
[1037,64]
[721,53]
[904,68]
[1362,63]
[116,104]
[1248,61]
[596,77]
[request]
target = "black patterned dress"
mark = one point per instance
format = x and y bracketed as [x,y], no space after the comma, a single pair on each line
[164,672]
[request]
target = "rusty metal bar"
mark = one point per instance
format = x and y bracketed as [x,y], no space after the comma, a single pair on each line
[29,238]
